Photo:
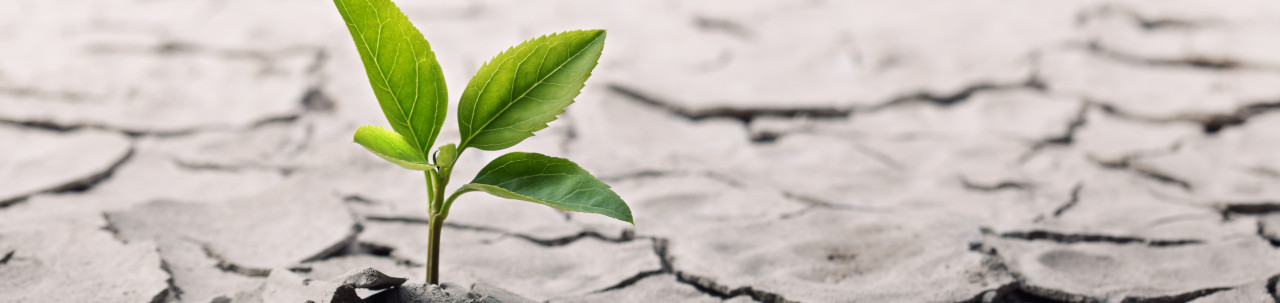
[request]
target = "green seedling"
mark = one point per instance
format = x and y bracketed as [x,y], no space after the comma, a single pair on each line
[512,96]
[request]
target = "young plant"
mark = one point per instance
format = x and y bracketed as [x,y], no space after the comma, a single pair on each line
[513,95]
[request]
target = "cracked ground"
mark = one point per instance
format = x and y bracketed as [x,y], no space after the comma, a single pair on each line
[771,151]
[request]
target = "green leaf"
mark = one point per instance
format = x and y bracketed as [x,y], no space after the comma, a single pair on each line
[523,88]
[446,155]
[402,69]
[391,146]
[555,182]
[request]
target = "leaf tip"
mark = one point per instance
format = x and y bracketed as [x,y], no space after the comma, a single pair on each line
[595,34]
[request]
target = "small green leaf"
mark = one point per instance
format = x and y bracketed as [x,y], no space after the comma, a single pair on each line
[555,182]
[391,146]
[401,68]
[446,155]
[523,88]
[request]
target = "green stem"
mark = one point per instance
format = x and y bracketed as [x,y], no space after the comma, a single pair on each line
[433,252]
[436,182]
[431,192]
[437,179]
[444,209]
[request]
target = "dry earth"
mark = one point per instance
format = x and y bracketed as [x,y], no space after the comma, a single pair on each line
[772,151]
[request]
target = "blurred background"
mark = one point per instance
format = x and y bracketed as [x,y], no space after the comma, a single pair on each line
[771,151]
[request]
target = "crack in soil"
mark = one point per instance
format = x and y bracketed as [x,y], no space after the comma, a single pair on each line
[881,157]
[87,183]
[624,237]
[315,100]
[280,119]
[1145,22]
[341,248]
[1271,287]
[1066,139]
[1262,233]
[1127,165]
[748,114]
[814,203]
[726,26]
[78,185]
[7,256]
[312,100]
[1080,119]
[232,168]
[62,128]
[745,115]
[185,48]
[1248,208]
[702,284]
[228,266]
[649,173]
[999,294]
[29,92]
[711,287]
[161,296]
[1015,292]
[375,249]
[1210,123]
[1194,61]
[110,227]
[1065,238]
[1001,186]
[632,280]
[1018,295]
[1024,292]
[267,60]
[1032,82]
[14,200]
[644,174]
[135,133]
[398,219]
[1075,198]
[570,133]
[1178,298]
[173,288]
[359,199]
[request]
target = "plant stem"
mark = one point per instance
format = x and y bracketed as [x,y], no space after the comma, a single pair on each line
[433,250]
[436,181]
[431,193]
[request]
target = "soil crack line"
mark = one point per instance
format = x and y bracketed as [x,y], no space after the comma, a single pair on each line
[1022,291]
[173,287]
[1075,198]
[1152,174]
[1248,208]
[7,256]
[1065,238]
[1000,186]
[1209,123]
[744,115]
[228,266]
[623,237]
[702,284]
[232,168]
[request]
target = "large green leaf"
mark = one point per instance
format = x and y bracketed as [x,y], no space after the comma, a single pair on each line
[555,182]
[523,88]
[391,146]
[401,67]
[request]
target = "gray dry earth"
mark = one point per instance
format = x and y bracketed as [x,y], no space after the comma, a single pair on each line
[772,151]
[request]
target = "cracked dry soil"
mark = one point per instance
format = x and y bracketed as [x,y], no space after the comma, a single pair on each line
[772,151]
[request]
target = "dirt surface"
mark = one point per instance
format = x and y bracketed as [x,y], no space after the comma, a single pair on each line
[771,151]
